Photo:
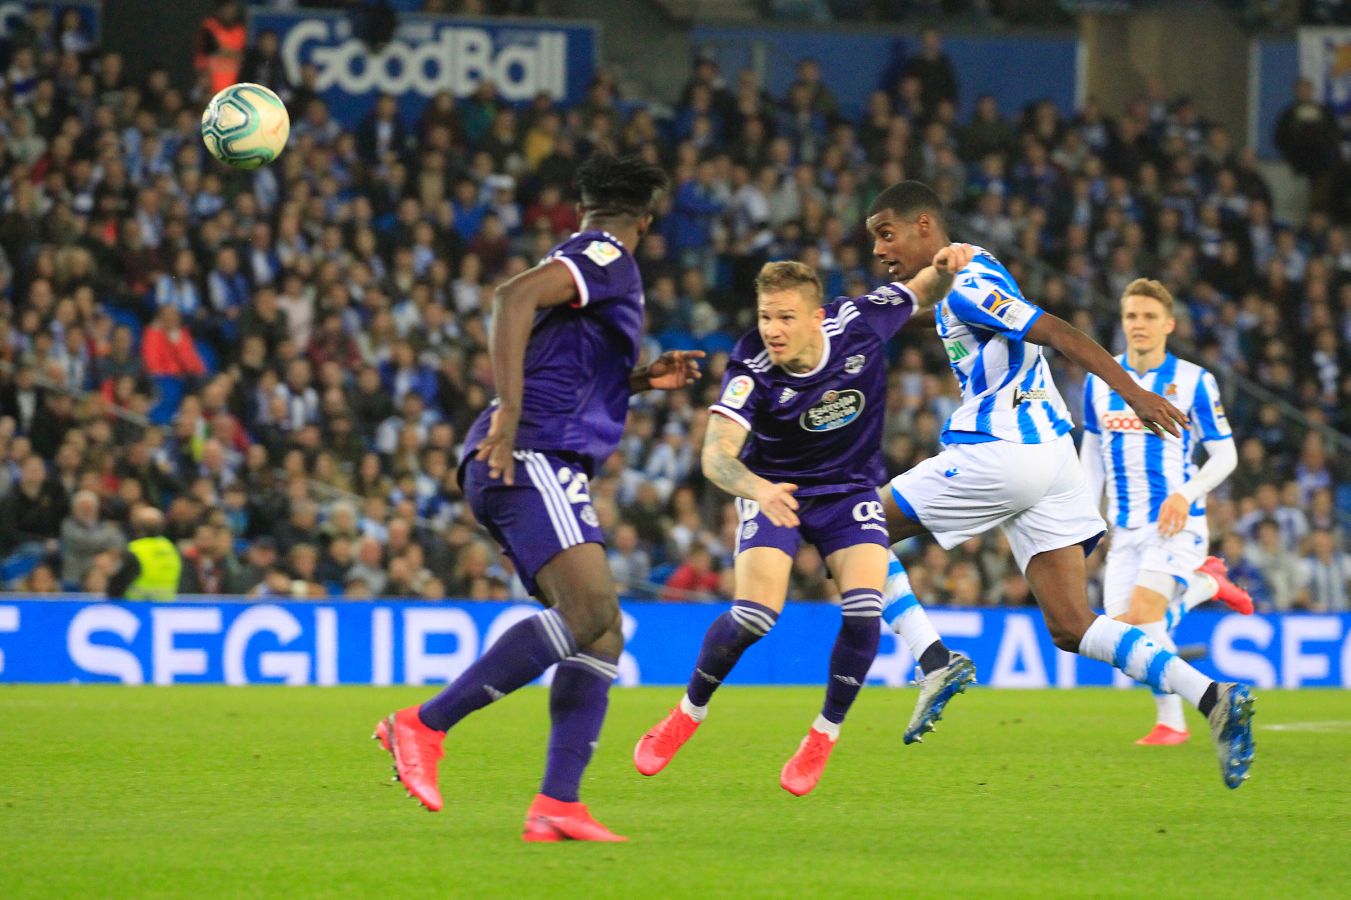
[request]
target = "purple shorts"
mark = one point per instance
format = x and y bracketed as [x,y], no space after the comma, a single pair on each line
[545,512]
[829,521]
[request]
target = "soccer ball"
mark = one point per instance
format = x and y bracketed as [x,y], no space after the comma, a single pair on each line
[245,126]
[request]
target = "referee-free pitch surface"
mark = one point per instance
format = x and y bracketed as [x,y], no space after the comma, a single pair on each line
[260,791]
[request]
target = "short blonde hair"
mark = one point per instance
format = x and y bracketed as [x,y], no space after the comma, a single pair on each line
[789,275]
[1148,287]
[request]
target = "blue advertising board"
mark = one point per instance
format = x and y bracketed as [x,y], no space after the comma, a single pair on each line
[430,54]
[1016,70]
[65,641]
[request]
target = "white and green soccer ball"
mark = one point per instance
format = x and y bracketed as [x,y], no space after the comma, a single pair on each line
[245,126]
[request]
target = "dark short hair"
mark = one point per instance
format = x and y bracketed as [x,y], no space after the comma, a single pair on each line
[908,199]
[619,185]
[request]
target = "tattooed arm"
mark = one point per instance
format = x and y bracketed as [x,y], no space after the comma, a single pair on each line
[722,447]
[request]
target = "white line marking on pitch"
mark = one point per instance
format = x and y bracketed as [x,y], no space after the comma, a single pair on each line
[1326,726]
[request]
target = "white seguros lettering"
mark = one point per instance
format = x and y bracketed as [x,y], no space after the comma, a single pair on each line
[452,58]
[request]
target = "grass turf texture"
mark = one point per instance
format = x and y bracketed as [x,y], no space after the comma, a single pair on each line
[206,791]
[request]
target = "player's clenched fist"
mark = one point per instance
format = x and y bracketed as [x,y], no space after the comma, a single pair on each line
[778,504]
[953,258]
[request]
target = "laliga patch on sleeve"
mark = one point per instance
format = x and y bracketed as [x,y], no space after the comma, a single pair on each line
[1009,310]
[602,253]
[737,391]
[1219,410]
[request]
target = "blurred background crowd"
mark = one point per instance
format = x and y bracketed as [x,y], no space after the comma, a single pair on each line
[285,361]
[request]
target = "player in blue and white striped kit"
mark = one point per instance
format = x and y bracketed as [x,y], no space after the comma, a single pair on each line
[1008,460]
[1155,493]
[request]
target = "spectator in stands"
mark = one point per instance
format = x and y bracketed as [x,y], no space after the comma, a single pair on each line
[1280,568]
[1326,574]
[934,70]
[220,45]
[30,519]
[151,565]
[167,347]
[1307,136]
[694,578]
[84,538]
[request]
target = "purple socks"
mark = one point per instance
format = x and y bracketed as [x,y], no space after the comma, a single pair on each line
[577,703]
[855,649]
[727,638]
[518,657]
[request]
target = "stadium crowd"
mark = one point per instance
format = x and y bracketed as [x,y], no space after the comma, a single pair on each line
[285,361]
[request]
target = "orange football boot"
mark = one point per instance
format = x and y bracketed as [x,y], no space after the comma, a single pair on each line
[1230,594]
[657,748]
[801,773]
[1164,736]
[416,750]
[550,820]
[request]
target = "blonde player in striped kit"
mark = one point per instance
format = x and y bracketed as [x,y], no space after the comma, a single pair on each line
[1157,566]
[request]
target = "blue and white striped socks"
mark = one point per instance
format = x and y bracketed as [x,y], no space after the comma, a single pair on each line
[903,614]
[1127,648]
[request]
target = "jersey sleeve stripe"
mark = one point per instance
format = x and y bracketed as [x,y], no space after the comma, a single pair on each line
[583,295]
[1204,409]
[734,416]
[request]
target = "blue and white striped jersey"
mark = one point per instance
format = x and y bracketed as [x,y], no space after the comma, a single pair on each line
[1143,470]
[1007,390]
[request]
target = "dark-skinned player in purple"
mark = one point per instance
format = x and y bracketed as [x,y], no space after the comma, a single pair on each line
[565,347]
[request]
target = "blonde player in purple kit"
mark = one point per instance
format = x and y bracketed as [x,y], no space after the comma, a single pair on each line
[565,344]
[797,439]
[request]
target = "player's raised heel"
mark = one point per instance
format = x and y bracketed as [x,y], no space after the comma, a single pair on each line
[658,747]
[550,821]
[1231,728]
[935,692]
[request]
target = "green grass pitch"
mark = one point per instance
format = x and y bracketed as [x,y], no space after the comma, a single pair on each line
[206,791]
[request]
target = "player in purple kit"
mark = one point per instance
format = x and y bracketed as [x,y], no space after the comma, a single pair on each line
[798,441]
[565,344]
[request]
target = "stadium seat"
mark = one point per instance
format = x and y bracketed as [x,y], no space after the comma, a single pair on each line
[169,392]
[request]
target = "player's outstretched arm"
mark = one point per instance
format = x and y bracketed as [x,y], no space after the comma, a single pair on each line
[722,447]
[514,305]
[934,282]
[1156,413]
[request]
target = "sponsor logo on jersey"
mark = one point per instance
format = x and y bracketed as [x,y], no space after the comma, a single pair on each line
[835,409]
[1122,423]
[1036,395]
[786,395]
[736,392]
[998,304]
[854,363]
[885,295]
[602,253]
[956,350]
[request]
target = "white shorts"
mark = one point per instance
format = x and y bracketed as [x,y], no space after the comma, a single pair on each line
[1036,492]
[1143,549]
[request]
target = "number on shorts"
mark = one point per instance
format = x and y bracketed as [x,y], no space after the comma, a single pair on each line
[574,486]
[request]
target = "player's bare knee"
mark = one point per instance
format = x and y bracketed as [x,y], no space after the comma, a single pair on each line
[591,615]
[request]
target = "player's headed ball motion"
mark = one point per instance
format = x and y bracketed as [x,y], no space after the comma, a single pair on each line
[245,126]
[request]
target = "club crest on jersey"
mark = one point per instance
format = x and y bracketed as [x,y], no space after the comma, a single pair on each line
[854,363]
[835,409]
[736,392]
[786,395]
[1170,390]
[602,253]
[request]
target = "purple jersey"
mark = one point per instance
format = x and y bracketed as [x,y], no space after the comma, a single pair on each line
[577,364]
[821,430]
